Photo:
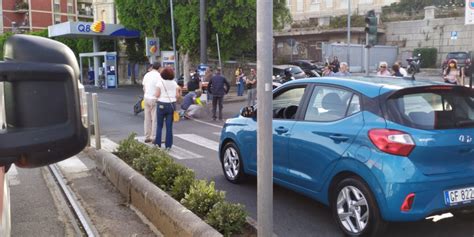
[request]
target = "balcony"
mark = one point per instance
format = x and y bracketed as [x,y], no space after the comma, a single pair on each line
[21,7]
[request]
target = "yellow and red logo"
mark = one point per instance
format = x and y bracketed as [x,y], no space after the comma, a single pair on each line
[153,49]
[98,27]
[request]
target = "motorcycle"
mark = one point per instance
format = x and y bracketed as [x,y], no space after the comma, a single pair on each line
[414,64]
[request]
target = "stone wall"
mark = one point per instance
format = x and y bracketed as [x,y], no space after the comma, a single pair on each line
[431,33]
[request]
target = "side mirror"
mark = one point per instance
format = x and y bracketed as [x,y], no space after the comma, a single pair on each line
[249,112]
[42,107]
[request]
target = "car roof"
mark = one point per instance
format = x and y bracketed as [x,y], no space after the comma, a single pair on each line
[284,66]
[370,86]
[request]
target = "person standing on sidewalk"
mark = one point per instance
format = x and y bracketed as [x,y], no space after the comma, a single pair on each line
[167,92]
[251,83]
[218,86]
[151,78]
[240,82]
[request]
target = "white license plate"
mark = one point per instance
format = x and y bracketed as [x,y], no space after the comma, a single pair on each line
[463,195]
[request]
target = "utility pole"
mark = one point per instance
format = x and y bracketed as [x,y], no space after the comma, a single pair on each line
[203,26]
[349,35]
[176,62]
[264,118]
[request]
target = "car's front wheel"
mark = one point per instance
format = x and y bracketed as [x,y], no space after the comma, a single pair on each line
[355,209]
[232,164]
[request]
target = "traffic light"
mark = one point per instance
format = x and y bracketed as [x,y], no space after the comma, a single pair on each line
[371,28]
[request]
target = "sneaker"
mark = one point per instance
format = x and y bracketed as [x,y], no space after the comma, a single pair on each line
[148,140]
[168,149]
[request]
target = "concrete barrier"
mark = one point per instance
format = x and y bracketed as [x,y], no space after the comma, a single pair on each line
[169,216]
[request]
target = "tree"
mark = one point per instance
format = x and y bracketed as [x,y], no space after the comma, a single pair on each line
[233,20]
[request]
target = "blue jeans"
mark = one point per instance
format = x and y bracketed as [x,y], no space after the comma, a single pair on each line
[240,88]
[164,112]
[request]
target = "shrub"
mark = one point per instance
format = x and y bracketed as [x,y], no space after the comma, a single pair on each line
[147,162]
[182,184]
[227,218]
[166,171]
[428,56]
[130,149]
[202,197]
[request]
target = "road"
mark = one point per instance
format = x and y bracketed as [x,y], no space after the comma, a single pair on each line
[195,145]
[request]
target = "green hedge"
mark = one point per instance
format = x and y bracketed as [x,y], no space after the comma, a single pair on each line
[197,195]
[428,56]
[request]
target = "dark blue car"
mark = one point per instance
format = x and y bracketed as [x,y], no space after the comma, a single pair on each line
[374,150]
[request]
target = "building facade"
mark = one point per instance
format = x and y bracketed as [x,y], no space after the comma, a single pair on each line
[322,10]
[310,29]
[31,15]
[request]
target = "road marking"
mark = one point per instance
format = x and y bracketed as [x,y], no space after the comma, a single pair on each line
[210,124]
[217,133]
[72,165]
[176,151]
[107,103]
[13,176]
[198,140]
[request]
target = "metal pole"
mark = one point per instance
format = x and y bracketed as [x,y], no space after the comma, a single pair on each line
[366,61]
[219,51]
[95,110]
[96,48]
[264,118]
[349,35]
[88,122]
[176,65]
[203,26]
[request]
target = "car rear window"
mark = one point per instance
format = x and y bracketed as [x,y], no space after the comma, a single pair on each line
[295,70]
[432,108]
[457,55]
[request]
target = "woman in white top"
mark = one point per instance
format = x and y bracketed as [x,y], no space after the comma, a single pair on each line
[167,92]
[383,70]
[453,74]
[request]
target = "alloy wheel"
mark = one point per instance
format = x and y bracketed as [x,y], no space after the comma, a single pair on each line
[231,163]
[352,209]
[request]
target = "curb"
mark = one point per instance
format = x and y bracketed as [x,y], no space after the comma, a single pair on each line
[166,214]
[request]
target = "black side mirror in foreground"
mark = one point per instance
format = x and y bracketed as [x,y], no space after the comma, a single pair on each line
[42,105]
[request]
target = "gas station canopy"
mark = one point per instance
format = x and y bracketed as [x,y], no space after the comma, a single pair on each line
[80,29]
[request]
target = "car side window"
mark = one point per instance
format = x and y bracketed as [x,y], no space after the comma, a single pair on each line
[286,104]
[330,104]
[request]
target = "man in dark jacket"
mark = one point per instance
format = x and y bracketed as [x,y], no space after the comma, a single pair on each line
[218,86]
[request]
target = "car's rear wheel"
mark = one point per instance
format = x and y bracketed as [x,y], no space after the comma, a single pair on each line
[355,209]
[232,164]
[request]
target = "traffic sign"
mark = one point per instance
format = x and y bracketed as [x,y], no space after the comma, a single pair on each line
[454,35]
[469,16]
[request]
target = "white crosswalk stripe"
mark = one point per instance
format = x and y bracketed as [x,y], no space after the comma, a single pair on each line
[176,151]
[198,140]
[13,178]
[217,133]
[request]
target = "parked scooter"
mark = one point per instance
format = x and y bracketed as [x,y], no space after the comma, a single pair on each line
[414,64]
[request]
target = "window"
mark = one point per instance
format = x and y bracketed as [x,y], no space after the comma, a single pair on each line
[440,109]
[299,5]
[286,104]
[57,19]
[329,3]
[315,1]
[330,104]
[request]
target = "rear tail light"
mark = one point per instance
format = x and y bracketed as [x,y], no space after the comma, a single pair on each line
[408,202]
[392,141]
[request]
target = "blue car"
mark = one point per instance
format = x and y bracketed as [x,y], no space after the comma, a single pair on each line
[375,150]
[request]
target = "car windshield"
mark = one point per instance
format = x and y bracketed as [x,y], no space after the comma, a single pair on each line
[457,55]
[433,108]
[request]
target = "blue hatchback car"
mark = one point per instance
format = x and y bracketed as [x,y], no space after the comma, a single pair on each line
[374,150]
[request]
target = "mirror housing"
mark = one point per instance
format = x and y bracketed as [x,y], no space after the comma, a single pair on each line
[42,105]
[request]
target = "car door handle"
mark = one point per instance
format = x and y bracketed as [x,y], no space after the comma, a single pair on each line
[281,130]
[338,138]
